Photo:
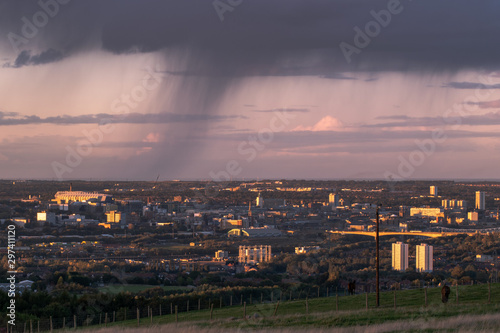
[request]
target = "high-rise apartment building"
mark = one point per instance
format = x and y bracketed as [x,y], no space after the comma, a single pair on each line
[399,256]
[425,258]
[333,199]
[254,254]
[480,200]
[434,191]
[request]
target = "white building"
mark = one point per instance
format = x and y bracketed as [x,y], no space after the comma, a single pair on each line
[254,254]
[46,217]
[434,191]
[480,200]
[425,258]
[399,256]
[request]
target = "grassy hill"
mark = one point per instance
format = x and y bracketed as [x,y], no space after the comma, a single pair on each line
[472,307]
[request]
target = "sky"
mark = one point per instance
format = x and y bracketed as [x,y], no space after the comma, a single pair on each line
[249,89]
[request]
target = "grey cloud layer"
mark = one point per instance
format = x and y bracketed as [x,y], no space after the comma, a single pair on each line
[260,34]
[12,118]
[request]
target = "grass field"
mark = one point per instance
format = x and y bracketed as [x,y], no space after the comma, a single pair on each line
[135,288]
[410,313]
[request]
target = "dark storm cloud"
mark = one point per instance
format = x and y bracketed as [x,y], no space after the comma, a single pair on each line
[471,85]
[487,104]
[11,118]
[488,119]
[291,110]
[275,37]
[25,58]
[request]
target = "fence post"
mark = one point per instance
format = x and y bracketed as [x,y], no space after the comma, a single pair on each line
[337,302]
[327,290]
[489,292]
[395,305]
[87,321]
[276,308]
[38,327]
[241,299]
[307,306]
[220,302]
[290,295]
[151,317]
[425,291]
[100,319]
[64,323]
[74,321]
[366,300]
[125,314]
[231,300]
[176,315]
[457,291]
[261,298]
[211,311]
[114,316]
[245,310]
[199,304]
[171,309]
[31,326]
[51,327]
[318,291]
[138,317]
[187,306]
[106,319]
[160,309]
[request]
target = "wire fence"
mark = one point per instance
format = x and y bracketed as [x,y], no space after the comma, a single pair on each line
[264,305]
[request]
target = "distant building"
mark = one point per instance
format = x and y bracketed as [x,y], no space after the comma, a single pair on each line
[305,249]
[425,258]
[434,191]
[21,286]
[473,216]
[333,199]
[423,211]
[399,256]
[269,203]
[259,202]
[480,200]
[254,232]
[64,197]
[46,217]
[231,224]
[221,255]
[254,254]
[115,217]
[454,203]
[20,221]
[483,258]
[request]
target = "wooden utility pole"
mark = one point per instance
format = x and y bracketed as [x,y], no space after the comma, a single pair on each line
[377,287]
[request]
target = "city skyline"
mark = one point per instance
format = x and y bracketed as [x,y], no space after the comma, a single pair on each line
[324,90]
